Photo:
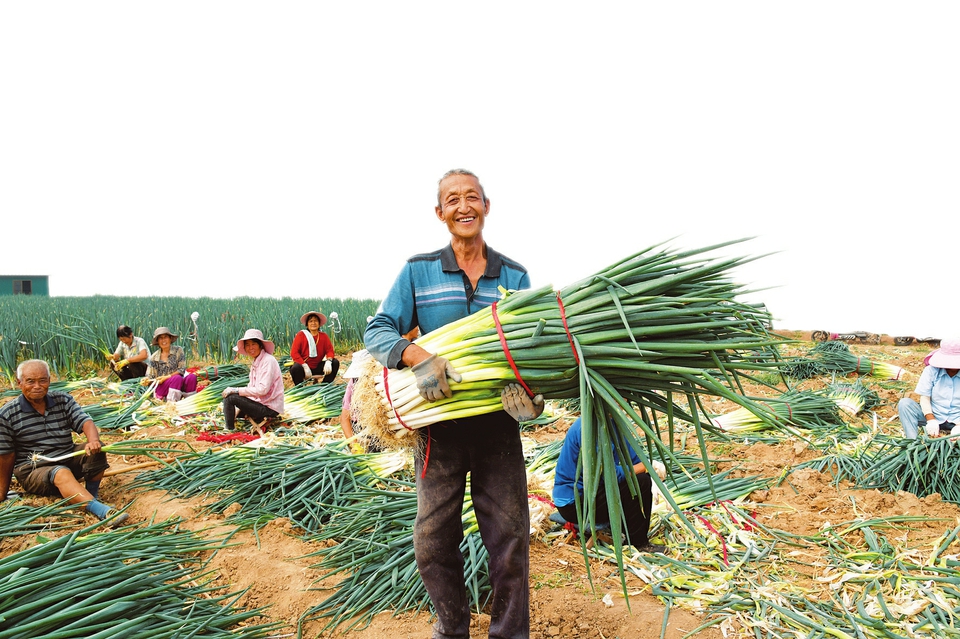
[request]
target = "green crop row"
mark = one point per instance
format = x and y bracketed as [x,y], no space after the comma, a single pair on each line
[71,333]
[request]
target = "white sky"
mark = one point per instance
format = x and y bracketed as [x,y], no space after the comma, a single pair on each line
[196,133]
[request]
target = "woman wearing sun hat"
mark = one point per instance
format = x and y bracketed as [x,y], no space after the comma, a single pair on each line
[312,351]
[168,366]
[939,390]
[263,396]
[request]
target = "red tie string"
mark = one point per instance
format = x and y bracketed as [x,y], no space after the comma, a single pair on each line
[563,317]
[723,542]
[386,391]
[506,351]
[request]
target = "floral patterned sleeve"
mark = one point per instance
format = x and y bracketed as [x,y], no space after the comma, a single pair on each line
[178,360]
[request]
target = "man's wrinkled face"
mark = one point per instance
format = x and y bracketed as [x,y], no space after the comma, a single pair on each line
[462,206]
[34,382]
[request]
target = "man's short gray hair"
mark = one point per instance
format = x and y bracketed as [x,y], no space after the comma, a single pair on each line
[451,172]
[31,362]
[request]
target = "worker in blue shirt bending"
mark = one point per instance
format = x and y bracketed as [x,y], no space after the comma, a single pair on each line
[635,509]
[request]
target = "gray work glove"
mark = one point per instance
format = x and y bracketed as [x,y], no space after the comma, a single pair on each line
[306,371]
[519,405]
[327,367]
[230,390]
[432,374]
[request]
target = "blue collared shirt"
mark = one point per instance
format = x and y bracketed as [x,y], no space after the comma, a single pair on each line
[943,391]
[432,291]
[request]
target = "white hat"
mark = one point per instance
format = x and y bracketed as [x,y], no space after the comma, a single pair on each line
[360,359]
[947,356]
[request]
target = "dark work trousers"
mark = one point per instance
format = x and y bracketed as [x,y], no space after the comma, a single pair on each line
[248,408]
[136,369]
[297,374]
[636,514]
[488,448]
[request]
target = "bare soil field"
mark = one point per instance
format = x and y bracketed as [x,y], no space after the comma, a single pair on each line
[271,565]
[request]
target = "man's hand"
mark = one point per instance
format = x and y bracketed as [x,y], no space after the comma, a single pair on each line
[432,374]
[92,447]
[306,370]
[933,427]
[327,367]
[519,405]
[230,390]
[122,363]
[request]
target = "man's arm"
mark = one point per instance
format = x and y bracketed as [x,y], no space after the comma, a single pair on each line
[6,472]
[93,437]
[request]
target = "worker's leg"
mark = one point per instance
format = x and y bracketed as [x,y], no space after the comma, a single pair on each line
[911,417]
[636,510]
[441,468]
[498,485]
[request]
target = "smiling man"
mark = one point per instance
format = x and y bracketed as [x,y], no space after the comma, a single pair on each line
[39,422]
[432,290]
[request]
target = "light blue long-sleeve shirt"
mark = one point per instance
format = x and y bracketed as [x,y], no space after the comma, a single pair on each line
[943,391]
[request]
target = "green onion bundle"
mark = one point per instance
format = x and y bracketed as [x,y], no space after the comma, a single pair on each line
[119,413]
[136,583]
[298,483]
[652,320]
[922,466]
[644,337]
[803,368]
[20,519]
[801,409]
[836,356]
[853,397]
[312,402]
[207,399]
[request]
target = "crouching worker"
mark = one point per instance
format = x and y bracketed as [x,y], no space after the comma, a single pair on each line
[42,423]
[636,510]
[938,410]
[263,396]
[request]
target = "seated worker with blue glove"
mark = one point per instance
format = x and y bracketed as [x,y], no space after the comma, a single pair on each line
[635,513]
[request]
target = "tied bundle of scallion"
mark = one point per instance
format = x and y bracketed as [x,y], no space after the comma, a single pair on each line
[853,397]
[794,408]
[836,356]
[646,336]
[643,324]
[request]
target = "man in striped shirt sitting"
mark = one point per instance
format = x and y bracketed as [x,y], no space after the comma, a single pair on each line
[38,426]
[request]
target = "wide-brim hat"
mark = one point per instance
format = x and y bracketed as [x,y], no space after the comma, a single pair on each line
[360,359]
[320,316]
[947,356]
[163,330]
[253,333]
